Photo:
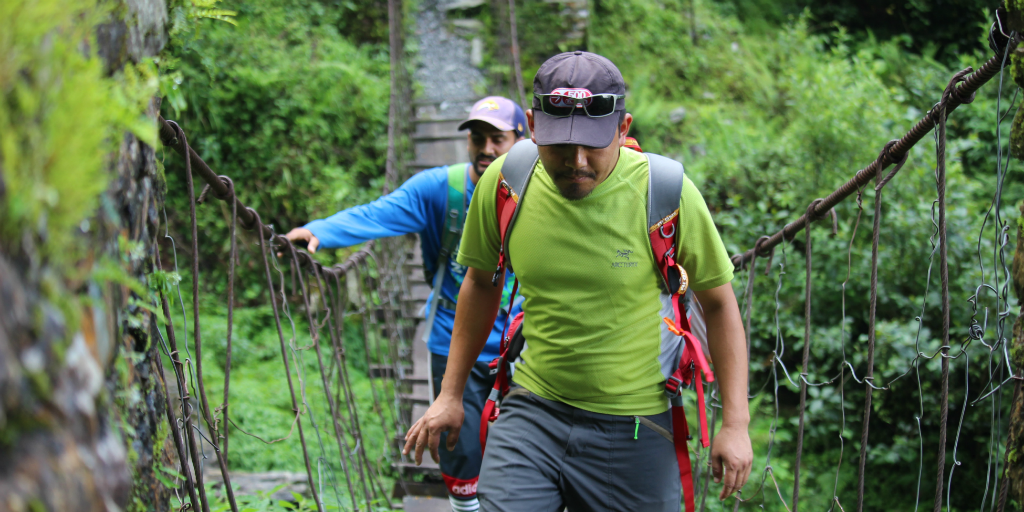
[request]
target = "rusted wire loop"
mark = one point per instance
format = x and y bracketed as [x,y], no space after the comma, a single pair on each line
[899,163]
[249,221]
[226,196]
[953,92]
[770,253]
[887,156]
[737,261]
[812,216]
[757,247]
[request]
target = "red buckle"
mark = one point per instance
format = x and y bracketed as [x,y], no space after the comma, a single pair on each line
[494,414]
[673,386]
[494,363]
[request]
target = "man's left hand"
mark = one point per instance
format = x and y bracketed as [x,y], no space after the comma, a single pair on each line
[732,455]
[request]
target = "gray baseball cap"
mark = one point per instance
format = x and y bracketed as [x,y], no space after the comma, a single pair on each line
[578,74]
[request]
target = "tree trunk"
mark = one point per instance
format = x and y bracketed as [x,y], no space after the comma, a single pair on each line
[1013,484]
[82,423]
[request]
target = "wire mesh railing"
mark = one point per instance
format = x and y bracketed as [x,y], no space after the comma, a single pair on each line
[339,469]
[986,339]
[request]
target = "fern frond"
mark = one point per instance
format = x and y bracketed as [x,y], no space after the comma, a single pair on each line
[224,15]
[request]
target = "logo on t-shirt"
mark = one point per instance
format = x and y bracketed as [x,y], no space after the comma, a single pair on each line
[623,254]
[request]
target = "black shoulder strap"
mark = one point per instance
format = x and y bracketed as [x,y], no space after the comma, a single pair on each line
[518,166]
[516,172]
[665,185]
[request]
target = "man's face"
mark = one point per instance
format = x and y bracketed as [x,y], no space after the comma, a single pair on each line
[487,143]
[578,170]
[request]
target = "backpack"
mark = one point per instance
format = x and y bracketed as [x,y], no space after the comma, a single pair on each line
[664,189]
[451,234]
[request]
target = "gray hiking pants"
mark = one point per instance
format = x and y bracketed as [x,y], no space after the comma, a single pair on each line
[546,456]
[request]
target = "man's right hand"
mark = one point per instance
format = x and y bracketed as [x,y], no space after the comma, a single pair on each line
[312,242]
[444,415]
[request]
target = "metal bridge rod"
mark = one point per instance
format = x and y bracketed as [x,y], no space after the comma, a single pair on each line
[964,90]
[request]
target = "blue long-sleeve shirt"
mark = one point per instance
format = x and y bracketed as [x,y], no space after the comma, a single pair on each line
[418,206]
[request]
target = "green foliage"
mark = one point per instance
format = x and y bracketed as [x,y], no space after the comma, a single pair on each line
[286,106]
[944,29]
[59,119]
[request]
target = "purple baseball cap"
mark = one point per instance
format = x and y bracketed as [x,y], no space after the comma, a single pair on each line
[501,113]
[577,74]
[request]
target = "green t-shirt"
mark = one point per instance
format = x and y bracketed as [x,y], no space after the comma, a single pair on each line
[592,299]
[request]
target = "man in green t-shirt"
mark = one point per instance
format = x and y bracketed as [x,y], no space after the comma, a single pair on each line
[594,364]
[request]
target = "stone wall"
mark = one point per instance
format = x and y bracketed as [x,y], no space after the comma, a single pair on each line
[82,414]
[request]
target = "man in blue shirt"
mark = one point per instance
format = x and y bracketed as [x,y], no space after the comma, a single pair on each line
[421,206]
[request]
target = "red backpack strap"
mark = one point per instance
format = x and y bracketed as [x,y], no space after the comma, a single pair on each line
[513,180]
[665,187]
[511,346]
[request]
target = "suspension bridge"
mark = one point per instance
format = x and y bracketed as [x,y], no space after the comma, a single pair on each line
[383,285]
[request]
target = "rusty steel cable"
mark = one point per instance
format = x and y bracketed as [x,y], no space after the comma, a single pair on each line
[876,229]
[196,337]
[315,342]
[182,444]
[960,94]
[940,180]
[359,451]
[232,261]
[284,351]
[248,217]
[333,403]
[808,251]
[196,334]
[250,220]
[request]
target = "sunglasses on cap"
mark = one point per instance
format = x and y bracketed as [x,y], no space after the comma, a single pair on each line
[596,105]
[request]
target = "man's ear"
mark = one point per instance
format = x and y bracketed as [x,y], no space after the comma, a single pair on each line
[529,122]
[627,121]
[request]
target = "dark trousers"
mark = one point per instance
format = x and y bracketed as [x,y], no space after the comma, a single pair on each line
[461,466]
[545,456]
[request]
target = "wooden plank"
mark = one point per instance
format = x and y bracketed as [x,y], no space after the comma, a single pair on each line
[384,371]
[429,467]
[425,504]
[414,398]
[449,151]
[417,275]
[417,292]
[420,489]
[439,137]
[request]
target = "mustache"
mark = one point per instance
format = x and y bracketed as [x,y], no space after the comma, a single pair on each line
[575,173]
